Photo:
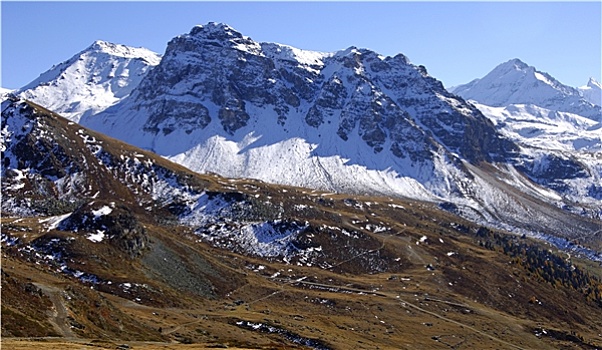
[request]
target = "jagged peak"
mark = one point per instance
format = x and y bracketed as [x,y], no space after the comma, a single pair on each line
[213,30]
[350,51]
[402,58]
[102,45]
[215,34]
[363,53]
[518,63]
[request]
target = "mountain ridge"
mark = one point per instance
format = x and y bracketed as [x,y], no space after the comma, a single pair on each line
[109,244]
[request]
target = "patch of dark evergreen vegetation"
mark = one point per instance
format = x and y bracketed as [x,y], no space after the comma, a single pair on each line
[543,263]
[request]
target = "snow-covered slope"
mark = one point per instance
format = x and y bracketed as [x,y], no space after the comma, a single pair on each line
[102,190]
[351,121]
[92,80]
[558,150]
[592,91]
[515,82]
[557,129]
[546,129]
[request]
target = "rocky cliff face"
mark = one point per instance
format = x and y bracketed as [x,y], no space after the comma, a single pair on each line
[221,102]
[216,73]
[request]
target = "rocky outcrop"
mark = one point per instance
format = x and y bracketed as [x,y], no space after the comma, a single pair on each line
[114,221]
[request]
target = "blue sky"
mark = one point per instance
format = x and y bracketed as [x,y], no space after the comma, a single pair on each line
[456,41]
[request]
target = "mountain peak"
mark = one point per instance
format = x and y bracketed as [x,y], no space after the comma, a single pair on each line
[593,83]
[92,80]
[101,45]
[515,82]
[592,92]
[215,30]
[518,63]
[212,36]
[513,65]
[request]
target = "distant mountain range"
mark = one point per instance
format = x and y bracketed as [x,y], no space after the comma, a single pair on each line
[352,121]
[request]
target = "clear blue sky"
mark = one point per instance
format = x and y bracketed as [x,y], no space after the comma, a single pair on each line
[456,41]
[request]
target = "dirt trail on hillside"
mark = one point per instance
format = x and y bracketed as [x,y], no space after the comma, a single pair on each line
[59,317]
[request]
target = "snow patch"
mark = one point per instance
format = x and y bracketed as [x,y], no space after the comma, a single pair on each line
[105,210]
[97,237]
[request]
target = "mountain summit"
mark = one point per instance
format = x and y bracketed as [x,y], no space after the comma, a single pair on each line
[92,80]
[515,82]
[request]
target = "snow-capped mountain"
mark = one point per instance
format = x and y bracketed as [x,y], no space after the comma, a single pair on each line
[515,82]
[92,80]
[351,121]
[592,91]
[557,129]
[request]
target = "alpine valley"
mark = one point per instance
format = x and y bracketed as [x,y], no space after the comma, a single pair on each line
[231,193]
